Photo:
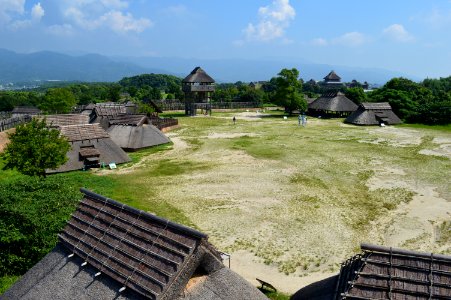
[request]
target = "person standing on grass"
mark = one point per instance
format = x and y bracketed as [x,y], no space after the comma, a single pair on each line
[234,120]
[299,120]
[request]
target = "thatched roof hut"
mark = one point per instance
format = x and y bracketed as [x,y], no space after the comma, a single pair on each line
[109,250]
[103,112]
[198,75]
[91,146]
[373,114]
[20,111]
[134,132]
[55,121]
[332,77]
[386,273]
[332,103]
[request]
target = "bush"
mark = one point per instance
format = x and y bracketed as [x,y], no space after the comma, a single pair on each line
[32,212]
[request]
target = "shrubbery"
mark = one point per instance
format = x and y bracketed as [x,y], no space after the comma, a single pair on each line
[32,212]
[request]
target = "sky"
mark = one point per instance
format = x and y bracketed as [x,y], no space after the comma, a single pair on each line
[409,36]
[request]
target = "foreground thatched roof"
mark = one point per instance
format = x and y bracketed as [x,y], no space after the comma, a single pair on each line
[198,75]
[109,250]
[380,273]
[373,114]
[333,102]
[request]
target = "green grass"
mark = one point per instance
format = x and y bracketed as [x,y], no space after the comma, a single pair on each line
[275,295]
[446,128]
[6,282]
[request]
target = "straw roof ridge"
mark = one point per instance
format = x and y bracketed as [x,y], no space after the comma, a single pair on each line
[332,76]
[198,75]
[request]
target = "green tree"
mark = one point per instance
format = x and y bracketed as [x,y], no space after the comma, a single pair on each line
[33,148]
[289,91]
[58,100]
[356,94]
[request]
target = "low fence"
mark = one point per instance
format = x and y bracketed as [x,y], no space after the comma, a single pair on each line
[9,123]
[178,105]
[5,115]
[162,123]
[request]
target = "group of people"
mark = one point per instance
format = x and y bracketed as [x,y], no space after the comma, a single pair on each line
[302,120]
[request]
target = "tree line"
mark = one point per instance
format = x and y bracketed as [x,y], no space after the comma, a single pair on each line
[427,102]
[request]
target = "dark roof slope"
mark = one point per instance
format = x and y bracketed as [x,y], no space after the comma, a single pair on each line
[65,119]
[334,102]
[332,76]
[389,273]
[373,114]
[198,75]
[109,250]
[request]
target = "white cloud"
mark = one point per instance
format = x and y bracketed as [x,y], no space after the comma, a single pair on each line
[352,39]
[274,19]
[87,14]
[10,7]
[37,12]
[60,30]
[123,23]
[437,18]
[398,33]
[319,42]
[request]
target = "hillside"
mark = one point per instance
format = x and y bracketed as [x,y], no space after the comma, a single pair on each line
[42,66]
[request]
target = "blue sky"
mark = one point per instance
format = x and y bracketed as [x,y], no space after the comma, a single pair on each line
[411,36]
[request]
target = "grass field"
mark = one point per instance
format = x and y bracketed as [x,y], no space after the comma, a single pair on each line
[290,203]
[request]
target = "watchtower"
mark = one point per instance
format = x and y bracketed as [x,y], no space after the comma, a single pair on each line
[198,87]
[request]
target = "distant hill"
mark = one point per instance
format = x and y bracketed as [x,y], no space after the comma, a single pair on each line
[46,65]
[41,66]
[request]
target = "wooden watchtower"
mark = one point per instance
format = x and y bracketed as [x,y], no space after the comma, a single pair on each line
[198,87]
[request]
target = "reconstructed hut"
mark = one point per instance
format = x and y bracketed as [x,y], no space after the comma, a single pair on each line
[134,132]
[21,111]
[109,250]
[332,104]
[373,114]
[91,146]
[380,273]
[55,121]
[103,112]
[198,87]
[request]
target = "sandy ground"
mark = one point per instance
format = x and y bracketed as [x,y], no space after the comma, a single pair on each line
[253,189]
[4,138]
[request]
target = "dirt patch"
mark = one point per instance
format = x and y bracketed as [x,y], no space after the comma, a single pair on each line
[4,138]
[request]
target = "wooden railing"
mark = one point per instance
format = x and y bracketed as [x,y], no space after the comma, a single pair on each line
[6,124]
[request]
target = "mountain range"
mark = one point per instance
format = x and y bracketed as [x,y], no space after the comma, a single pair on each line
[46,65]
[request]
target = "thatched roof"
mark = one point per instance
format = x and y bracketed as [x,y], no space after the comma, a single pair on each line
[332,76]
[65,120]
[26,110]
[198,75]
[373,114]
[83,132]
[109,250]
[89,141]
[132,138]
[132,120]
[389,273]
[105,110]
[380,273]
[333,102]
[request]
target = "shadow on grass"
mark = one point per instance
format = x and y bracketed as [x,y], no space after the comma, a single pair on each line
[274,295]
